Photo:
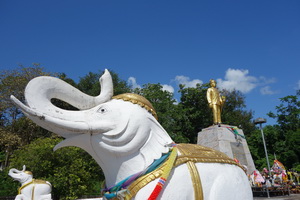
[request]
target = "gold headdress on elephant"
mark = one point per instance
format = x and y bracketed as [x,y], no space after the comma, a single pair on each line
[137,99]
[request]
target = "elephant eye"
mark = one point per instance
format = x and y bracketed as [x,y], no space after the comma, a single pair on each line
[102,110]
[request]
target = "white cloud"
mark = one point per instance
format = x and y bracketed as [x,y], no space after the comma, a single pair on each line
[267,80]
[238,79]
[132,82]
[187,82]
[267,91]
[168,88]
[298,85]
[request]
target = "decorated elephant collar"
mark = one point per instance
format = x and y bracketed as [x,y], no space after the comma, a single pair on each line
[189,154]
[127,188]
[33,181]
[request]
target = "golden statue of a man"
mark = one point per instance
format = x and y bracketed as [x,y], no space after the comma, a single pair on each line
[215,101]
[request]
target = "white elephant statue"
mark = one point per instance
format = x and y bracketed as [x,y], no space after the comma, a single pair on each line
[138,157]
[31,189]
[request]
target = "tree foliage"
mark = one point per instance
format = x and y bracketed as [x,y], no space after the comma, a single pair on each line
[288,135]
[8,187]
[256,145]
[71,171]
[288,112]
[195,111]
[89,84]
[15,130]
[167,111]
[282,139]
[13,82]
[235,113]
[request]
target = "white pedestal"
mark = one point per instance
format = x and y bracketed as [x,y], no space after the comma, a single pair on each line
[229,140]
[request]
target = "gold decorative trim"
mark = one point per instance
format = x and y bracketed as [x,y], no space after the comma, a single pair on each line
[144,180]
[198,192]
[197,185]
[23,186]
[28,172]
[137,99]
[197,153]
[32,192]
[190,154]
[34,181]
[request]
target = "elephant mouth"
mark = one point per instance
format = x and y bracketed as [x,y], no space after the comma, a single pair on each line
[117,138]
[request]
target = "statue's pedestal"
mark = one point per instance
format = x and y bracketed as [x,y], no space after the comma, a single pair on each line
[229,140]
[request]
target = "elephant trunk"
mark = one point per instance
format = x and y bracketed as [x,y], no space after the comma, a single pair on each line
[41,90]
[13,172]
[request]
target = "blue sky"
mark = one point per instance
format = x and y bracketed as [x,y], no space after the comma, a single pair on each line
[251,46]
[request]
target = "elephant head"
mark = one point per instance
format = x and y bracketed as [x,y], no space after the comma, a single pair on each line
[111,129]
[21,176]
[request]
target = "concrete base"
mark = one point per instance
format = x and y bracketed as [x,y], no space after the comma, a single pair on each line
[229,140]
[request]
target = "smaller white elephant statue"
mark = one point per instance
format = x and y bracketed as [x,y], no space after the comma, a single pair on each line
[31,189]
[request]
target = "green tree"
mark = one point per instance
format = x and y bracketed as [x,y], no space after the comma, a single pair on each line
[256,145]
[8,187]
[235,113]
[71,171]
[288,112]
[89,84]
[195,110]
[8,142]
[282,139]
[288,135]
[15,130]
[13,82]
[167,111]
